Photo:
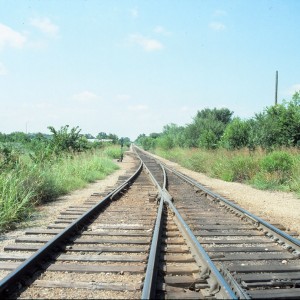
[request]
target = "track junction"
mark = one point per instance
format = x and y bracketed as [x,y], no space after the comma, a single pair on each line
[156,234]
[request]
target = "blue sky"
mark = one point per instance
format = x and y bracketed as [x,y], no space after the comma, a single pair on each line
[131,67]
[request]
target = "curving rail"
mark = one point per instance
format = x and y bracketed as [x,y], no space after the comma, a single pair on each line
[218,286]
[270,230]
[260,280]
[175,218]
[22,274]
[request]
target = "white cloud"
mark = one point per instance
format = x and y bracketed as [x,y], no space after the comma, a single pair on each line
[292,89]
[138,107]
[10,37]
[217,26]
[219,13]
[123,97]
[2,69]
[134,12]
[146,43]
[37,44]
[43,105]
[184,108]
[161,30]
[45,26]
[85,97]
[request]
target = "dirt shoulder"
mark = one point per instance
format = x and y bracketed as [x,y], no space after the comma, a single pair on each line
[48,213]
[275,207]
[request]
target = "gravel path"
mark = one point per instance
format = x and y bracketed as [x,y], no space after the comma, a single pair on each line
[49,212]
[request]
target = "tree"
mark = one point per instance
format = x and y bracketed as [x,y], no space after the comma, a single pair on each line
[236,134]
[113,137]
[140,136]
[279,125]
[64,140]
[171,136]
[146,142]
[18,137]
[207,127]
[220,114]
[101,135]
[89,136]
[126,141]
[154,135]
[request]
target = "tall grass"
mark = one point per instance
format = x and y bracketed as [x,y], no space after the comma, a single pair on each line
[278,170]
[31,183]
[16,198]
[113,152]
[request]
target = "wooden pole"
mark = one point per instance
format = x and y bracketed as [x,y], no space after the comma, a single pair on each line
[276,87]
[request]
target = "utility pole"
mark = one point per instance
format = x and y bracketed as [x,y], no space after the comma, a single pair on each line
[121,142]
[276,87]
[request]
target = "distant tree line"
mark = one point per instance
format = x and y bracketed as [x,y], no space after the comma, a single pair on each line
[277,126]
[44,147]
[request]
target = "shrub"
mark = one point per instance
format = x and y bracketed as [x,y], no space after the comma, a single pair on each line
[239,168]
[64,140]
[196,160]
[236,134]
[165,142]
[275,171]
[277,161]
[112,152]
[295,182]
[279,125]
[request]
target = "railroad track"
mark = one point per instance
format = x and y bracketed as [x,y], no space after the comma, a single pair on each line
[257,259]
[138,241]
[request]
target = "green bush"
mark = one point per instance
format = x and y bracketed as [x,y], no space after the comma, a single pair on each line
[64,140]
[236,168]
[113,152]
[277,161]
[279,170]
[243,168]
[295,177]
[275,172]
[208,140]
[196,161]
[172,154]
[236,134]
[279,125]
[165,142]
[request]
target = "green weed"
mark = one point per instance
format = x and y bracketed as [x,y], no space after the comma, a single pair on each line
[31,183]
[112,152]
[278,170]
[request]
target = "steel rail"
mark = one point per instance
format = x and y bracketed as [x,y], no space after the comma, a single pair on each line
[149,285]
[287,241]
[280,236]
[23,273]
[219,280]
[218,284]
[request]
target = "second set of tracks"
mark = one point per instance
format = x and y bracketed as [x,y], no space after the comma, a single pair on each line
[156,234]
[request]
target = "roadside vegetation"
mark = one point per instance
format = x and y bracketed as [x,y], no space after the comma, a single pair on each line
[38,168]
[263,151]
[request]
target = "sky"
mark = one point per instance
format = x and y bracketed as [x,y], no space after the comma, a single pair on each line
[130,67]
